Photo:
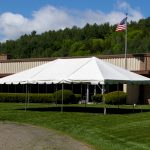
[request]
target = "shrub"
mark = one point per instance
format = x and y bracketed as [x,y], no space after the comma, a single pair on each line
[77,98]
[12,97]
[21,97]
[68,97]
[97,98]
[116,98]
[41,98]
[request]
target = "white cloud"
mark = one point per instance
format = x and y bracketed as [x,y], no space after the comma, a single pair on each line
[52,18]
[11,25]
[133,14]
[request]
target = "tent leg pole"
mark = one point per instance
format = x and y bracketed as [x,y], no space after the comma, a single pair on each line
[94,89]
[56,94]
[103,92]
[87,94]
[26,97]
[118,87]
[62,97]
[81,92]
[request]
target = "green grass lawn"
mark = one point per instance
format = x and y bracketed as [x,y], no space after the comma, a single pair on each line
[120,129]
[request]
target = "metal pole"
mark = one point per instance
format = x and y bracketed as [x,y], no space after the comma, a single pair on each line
[126,43]
[87,94]
[46,88]
[56,94]
[62,97]
[38,89]
[26,97]
[81,93]
[95,90]
[103,92]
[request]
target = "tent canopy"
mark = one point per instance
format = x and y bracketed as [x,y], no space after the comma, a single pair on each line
[78,70]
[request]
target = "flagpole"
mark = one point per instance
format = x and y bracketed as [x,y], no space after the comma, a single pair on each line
[126,44]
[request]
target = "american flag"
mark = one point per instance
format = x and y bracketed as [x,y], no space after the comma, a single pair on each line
[122,25]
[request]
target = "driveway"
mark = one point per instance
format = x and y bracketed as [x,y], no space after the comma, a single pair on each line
[15,136]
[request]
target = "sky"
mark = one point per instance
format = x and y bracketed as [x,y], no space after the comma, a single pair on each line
[19,17]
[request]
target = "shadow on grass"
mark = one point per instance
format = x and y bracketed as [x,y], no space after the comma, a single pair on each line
[88,109]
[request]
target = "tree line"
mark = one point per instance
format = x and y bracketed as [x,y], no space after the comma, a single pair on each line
[90,40]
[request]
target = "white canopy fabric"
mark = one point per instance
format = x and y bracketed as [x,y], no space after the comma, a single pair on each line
[78,70]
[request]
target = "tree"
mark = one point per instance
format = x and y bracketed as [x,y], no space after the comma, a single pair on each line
[89,40]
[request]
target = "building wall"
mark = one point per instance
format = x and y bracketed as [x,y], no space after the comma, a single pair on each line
[147,62]
[133,94]
[132,63]
[14,66]
[146,93]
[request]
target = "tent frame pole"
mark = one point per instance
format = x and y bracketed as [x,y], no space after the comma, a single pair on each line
[29,90]
[87,93]
[95,92]
[81,93]
[103,93]
[26,97]
[56,94]
[62,97]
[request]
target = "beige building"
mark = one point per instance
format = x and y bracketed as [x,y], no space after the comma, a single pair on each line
[139,63]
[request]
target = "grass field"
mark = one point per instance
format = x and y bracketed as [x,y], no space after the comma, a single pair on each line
[120,129]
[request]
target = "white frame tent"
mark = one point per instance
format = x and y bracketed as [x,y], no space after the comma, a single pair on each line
[76,70]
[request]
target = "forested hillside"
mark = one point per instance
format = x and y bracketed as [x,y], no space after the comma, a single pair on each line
[89,40]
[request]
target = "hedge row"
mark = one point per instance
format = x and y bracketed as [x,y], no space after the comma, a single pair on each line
[22,97]
[117,97]
[68,96]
